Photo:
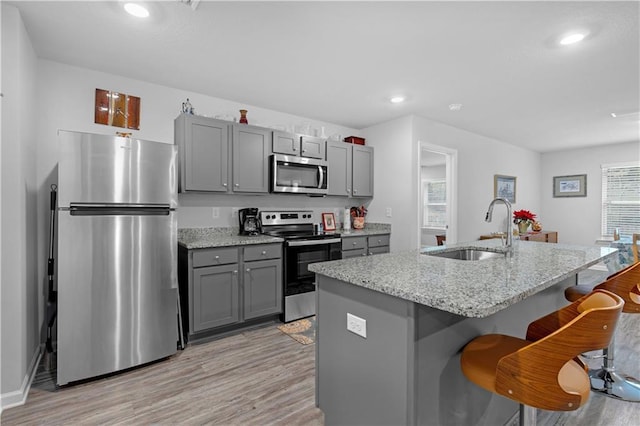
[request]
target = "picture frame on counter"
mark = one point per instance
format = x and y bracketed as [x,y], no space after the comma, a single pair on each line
[504,187]
[570,186]
[329,221]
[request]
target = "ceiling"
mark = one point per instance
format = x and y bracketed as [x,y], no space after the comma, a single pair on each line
[340,62]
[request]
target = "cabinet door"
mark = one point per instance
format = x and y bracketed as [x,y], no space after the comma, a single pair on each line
[378,250]
[262,287]
[215,297]
[285,143]
[362,171]
[203,144]
[339,168]
[354,253]
[250,158]
[312,147]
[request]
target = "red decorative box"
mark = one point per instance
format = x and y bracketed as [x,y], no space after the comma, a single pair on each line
[354,139]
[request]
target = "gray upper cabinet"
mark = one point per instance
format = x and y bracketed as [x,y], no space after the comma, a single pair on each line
[203,145]
[339,172]
[312,147]
[251,147]
[286,143]
[362,171]
[350,169]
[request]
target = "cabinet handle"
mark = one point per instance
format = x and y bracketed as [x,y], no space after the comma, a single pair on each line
[217,258]
[354,243]
[364,254]
[355,191]
[224,184]
[304,150]
[237,184]
[248,269]
[379,241]
[348,191]
[264,252]
[370,253]
[235,272]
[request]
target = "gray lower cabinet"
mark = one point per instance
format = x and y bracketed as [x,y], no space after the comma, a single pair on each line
[350,169]
[203,146]
[214,295]
[365,245]
[251,147]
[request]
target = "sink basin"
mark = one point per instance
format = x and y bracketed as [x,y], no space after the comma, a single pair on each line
[468,254]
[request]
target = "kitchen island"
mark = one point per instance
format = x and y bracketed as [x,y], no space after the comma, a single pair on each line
[419,312]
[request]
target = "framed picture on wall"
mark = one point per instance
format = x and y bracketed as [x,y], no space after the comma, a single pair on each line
[570,186]
[504,187]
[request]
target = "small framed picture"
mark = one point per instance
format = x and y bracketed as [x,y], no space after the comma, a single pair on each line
[570,186]
[504,187]
[329,221]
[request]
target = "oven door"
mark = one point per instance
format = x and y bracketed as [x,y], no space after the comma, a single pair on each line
[298,175]
[299,254]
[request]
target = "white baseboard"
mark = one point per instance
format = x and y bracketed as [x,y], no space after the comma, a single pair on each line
[19,397]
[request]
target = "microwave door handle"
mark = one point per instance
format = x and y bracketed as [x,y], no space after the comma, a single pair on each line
[321,180]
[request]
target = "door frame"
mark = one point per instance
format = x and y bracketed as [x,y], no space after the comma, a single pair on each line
[451,164]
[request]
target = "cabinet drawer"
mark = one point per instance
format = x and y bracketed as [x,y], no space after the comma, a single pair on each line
[354,253]
[353,243]
[262,252]
[213,257]
[378,240]
[379,250]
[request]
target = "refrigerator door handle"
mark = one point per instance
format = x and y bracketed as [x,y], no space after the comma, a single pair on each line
[119,211]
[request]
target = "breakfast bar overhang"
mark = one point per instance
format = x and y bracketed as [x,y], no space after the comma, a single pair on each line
[419,311]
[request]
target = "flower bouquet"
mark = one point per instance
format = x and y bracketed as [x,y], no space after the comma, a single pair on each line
[523,218]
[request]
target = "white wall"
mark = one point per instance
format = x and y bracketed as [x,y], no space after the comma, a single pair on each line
[578,220]
[394,186]
[19,338]
[479,159]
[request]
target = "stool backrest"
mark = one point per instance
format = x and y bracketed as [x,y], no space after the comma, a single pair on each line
[531,374]
[634,247]
[626,284]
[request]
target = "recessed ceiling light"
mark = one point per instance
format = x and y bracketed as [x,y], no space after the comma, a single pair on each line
[572,38]
[397,99]
[455,107]
[136,10]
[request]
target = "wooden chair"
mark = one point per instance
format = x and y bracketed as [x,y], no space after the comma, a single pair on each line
[543,371]
[634,247]
[606,380]
[441,239]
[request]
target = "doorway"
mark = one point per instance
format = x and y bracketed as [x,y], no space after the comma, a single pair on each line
[437,202]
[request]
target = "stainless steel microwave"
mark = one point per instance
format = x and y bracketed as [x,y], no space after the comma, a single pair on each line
[298,175]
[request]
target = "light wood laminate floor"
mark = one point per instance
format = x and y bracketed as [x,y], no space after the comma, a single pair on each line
[258,377]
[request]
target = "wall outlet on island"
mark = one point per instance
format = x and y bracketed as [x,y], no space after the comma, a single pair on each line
[234,212]
[388,211]
[215,212]
[357,325]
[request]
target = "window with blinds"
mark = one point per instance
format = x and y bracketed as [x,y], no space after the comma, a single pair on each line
[620,198]
[435,204]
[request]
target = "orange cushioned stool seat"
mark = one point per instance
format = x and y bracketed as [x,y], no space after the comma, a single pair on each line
[605,380]
[543,371]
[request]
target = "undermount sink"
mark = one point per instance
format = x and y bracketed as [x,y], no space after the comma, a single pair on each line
[469,254]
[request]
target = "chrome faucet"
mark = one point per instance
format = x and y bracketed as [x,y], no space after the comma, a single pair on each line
[490,214]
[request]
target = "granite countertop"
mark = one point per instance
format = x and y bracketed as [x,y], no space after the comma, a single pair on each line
[199,238]
[468,288]
[369,229]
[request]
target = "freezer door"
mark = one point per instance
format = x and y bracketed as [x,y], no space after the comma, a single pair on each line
[107,169]
[117,292]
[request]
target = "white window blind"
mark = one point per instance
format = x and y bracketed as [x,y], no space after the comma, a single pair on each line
[435,204]
[620,198]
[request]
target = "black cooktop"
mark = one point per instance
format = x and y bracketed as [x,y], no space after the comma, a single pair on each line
[300,234]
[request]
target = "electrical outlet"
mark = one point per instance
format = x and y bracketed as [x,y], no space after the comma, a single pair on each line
[234,212]
[388,211]
[357,325]
[215,212]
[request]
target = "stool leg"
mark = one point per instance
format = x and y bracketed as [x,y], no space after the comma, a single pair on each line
[607,381]
[527,415]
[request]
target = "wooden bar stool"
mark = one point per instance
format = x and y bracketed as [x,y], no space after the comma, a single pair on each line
[606,380]
[544,371]
[441,239]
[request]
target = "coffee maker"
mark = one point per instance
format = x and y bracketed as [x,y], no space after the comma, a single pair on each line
[249,221]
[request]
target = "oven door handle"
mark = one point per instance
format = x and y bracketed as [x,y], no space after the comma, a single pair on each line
[313,242]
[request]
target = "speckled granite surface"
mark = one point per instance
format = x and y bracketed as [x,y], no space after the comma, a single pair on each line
[198,238]
[369,229]
[468,288]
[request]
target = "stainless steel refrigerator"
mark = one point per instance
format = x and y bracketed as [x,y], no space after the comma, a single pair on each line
[117,254]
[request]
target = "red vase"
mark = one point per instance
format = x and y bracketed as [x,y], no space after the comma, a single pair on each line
[243,116]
